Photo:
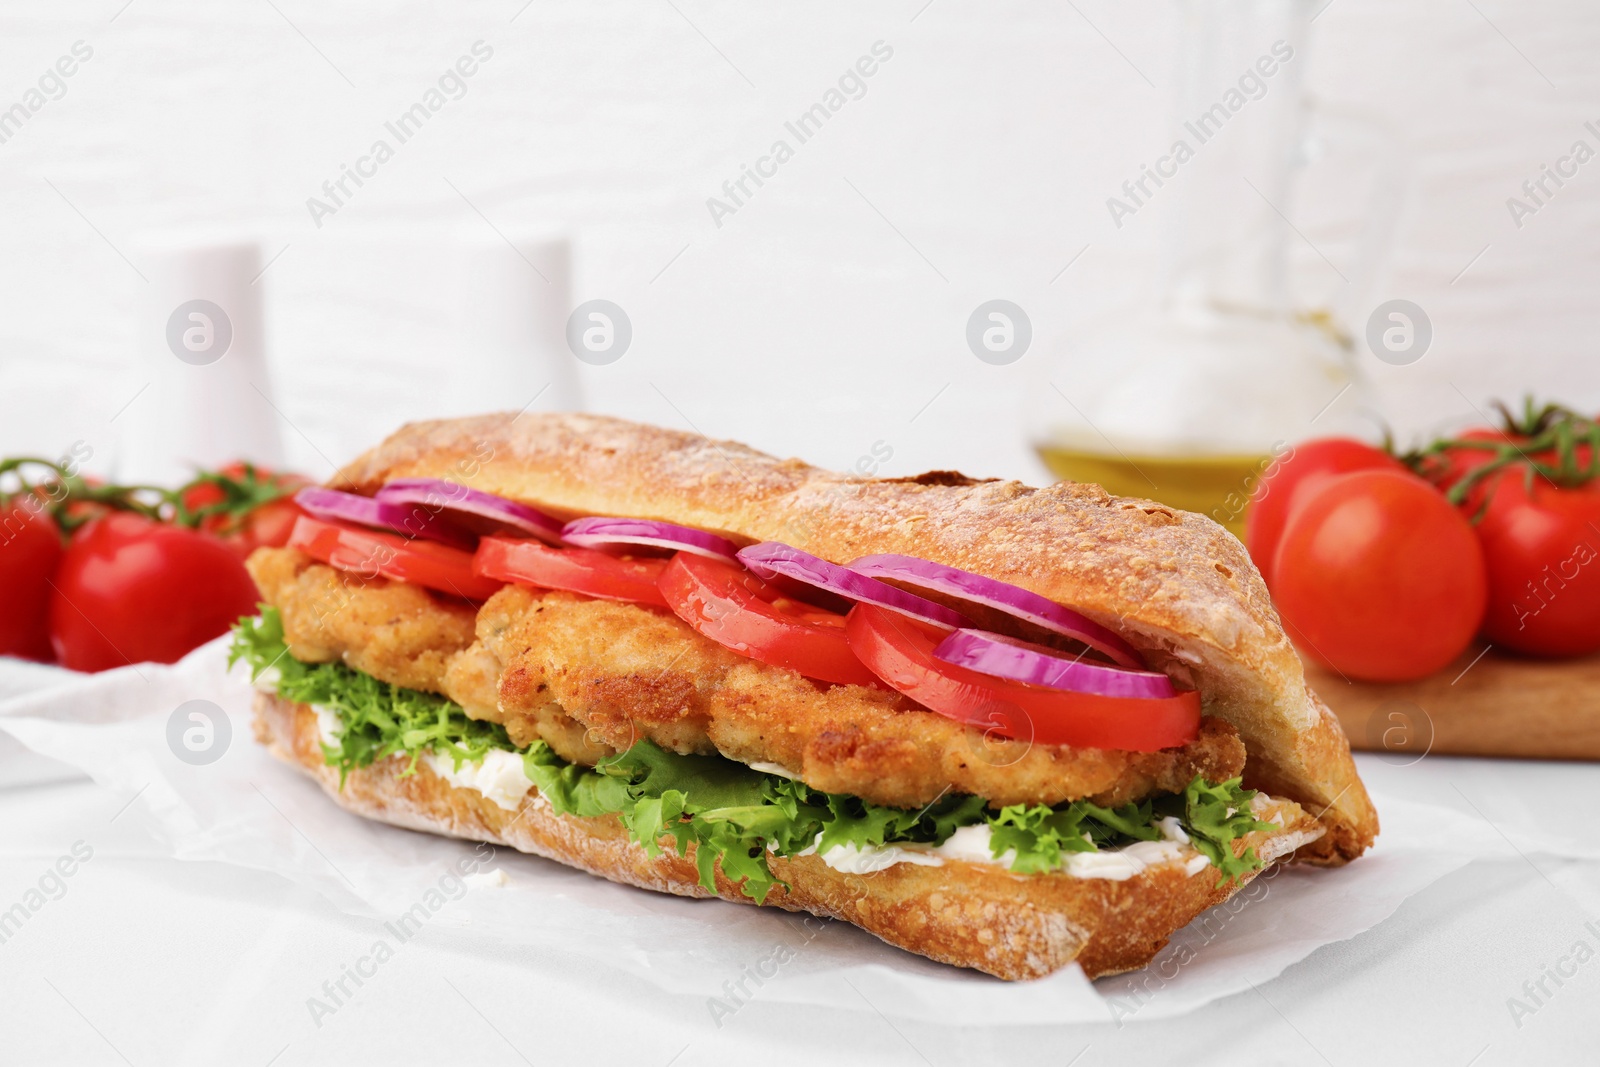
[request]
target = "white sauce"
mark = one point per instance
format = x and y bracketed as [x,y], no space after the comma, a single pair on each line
[773,768]
[329,726]
[1119,865]
[970,844]
[498,776]
[853,859]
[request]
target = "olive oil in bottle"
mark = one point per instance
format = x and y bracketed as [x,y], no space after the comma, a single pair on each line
[1217,486]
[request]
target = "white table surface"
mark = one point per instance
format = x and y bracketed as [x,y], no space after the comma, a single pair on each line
[161,962]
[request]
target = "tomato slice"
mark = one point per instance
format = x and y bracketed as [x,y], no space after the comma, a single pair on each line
[371,554]
[900,651]
[575,570]
[741,612]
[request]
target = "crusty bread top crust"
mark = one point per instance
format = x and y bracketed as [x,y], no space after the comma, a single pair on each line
[1174,584]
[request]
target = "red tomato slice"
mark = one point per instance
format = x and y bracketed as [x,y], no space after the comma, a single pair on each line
[736,609]
[900,651]
[371,554]
[575,570]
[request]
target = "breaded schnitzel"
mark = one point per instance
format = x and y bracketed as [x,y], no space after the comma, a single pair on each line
[395,632]
[592,676]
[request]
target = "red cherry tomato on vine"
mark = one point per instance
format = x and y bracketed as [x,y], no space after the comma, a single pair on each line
[1379,578]
[1456,463]
[131,590]
[1542,549]
[267,526]
[30,550]
[262,525]
[1292,479]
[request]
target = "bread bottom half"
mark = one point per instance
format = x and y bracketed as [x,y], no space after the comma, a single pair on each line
[973,915]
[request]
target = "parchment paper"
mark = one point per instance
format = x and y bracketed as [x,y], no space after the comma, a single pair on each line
[250,810]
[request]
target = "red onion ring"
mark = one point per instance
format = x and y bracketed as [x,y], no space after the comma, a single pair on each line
[1024,661]
[1002,596]
[771,558]
[480,512]
[598,532]
[411,521]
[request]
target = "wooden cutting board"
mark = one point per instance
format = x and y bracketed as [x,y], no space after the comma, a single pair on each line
[1496,705]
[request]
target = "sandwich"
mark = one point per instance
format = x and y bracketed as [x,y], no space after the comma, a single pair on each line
[1007,728]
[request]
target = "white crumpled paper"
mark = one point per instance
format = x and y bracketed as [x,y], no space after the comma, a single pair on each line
[250,810]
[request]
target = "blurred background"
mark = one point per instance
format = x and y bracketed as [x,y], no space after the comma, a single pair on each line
[828,311]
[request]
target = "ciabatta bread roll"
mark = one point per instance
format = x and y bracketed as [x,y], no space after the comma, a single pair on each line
[583,681]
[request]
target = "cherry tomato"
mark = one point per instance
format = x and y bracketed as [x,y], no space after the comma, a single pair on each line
[268,526]
[262,525]
[900,651]
[1542,549]
[1456,463]
[371,554]
[131,590]
[30,550]
[576,570]
[1379,578]
[1292,479]
[736,609]
[76,512]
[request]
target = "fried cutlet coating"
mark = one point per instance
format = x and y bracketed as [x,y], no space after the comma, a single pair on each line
[398,633]
[626,672]
[591,677]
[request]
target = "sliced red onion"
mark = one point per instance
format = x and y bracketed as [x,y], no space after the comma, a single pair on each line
[771,558]
[1024,661]
[404,519]
[1002,596]
[480,512]
[607,532]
